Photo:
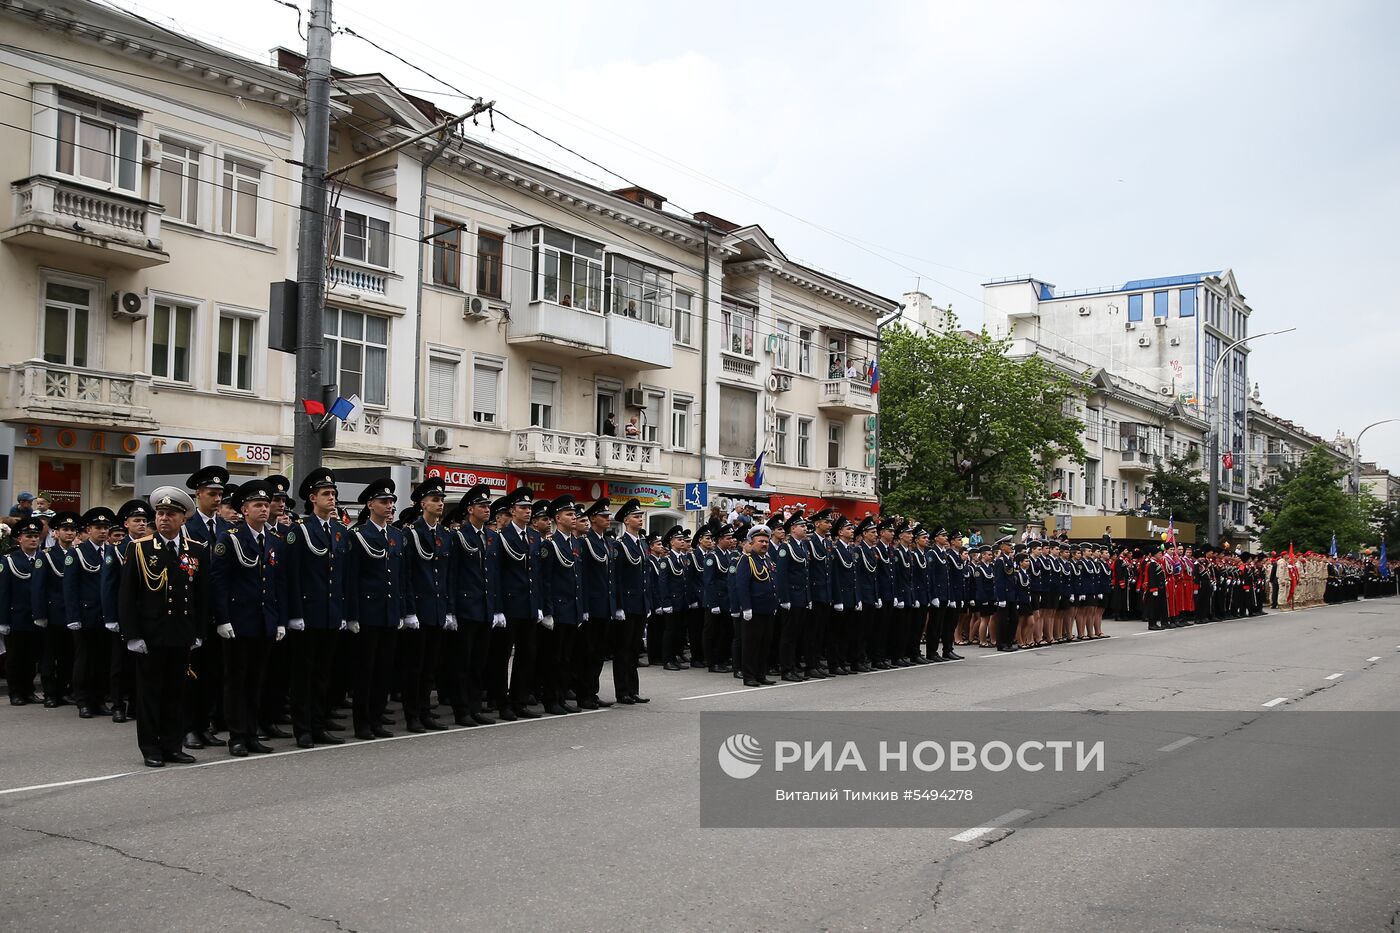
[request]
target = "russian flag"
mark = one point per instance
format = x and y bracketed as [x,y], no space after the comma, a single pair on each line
[874,378]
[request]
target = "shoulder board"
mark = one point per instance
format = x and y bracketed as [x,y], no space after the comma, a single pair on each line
[195,542]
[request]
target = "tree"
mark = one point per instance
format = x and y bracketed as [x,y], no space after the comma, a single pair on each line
[1314,508]
[966,432]
[1177,489]
[1266,499]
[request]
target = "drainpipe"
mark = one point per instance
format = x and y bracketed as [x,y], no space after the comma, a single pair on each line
[705,356]
[880,326]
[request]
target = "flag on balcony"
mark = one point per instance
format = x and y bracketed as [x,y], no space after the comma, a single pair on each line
[313,407]
[345,408]
[755,474]
[874,378]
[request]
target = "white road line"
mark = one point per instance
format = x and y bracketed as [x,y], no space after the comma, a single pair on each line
[1332,676]
[977,832]
[789,683]
[1376,658]
[89,780]
[1276,701]
[1187,740]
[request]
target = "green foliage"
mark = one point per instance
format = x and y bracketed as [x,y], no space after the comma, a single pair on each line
[967,433]
[1314,507]
[1266,499]
[1177,488]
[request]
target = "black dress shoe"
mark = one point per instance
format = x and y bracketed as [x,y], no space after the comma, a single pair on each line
[465,721]
[934,659]
[102,709]
[305,741]
[255,746]
[643,662]
[434,725]
[671,666]
[752,683]
[364,735]
[816,675]
[210,739]
[952,656]
[179,758]
[482,720]
[333,725]
[602,702]
[153,762]
[52,704]
[638,698]
[415,727]
[85,712]
[588,703]
[193,740]
[507,714]
[792,678]
[386,720]
[273,732]
[626,701]
[381,733]
[554,709]
[237,749]
[524,712]
[18,701]
[571,708]
[325,738]
[768,683]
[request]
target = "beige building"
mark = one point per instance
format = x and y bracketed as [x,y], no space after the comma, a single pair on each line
[490,313]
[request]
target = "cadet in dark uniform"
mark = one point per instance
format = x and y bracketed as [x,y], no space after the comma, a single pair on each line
[162,598]
[819,616]
[51,612]
[840,655]
[374,604]
[564,606]
[474,594]
[82,597]
[23,639]
[204,698]
[248,591]
[794,597]
[714,595]
[673,604]
[315,574]
[868,569]
[757,591]
[517,557]
[631,603]
[599,589]
[703,543]
[428,559]
[133,517]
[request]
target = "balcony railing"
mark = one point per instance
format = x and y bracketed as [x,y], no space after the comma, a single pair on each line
[623,455]
[67,216]
[736,366]
[355,279]
[843,483]
[849,395]
[49,392]
[547,447]
[734,471]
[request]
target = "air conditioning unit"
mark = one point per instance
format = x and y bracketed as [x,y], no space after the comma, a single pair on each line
[473,306]
[128,306]
[1165,390]
[1083,310]
[152,152]
[124,472]
[777,383]
[635,398]
[437,439]
[1144,341]
[1175,341]
[1160,321]
[1130,325]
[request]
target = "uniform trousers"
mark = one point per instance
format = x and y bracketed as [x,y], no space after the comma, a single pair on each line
[590,651]
[623,634]
[757,633]
[56,669]
[791,636]
[464,652]
[947,626]
[554,652]
[373,667]
[656,628]
[121,670]
[276,683]
[512,681]
[695,635]
[812,648]
[310,655]
[1006,625]
[415,676]
[914,630]
[22,651]
[676,625]
[91,654]
[204,694]
[160,676]
[715,635]
[245,665]
[835,635]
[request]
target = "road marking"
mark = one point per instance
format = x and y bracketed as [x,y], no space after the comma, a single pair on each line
[1177,744]
[89,780]
[1376,658]
[1276,701]
[977,832]
[1332,676]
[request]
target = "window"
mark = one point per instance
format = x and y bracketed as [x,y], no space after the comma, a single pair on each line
[357,353]
[639,291]
[738,423]
[170,341]
[780,438]
[235,369]
[805,351]
[651,417]
[490,260]
[1159,304]
[179,182]
[738,329]
[568,270]
[542,386]
[97,143]
[804,442]
[836,358]
[1135,307]
[447,253]
[486,382]
[685,335]
[834,434]
[1069,493]
[783,356]
[67,309]
[680,422]
[442,388]
[363,238]
[1186,302]
[242,183]
[1091,480]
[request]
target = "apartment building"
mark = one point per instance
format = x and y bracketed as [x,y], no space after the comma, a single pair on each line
[501,321]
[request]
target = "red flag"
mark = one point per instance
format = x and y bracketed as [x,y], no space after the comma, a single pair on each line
[1229,461]
[313,407]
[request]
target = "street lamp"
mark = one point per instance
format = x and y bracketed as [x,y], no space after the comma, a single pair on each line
[1213,398]
[1356,455]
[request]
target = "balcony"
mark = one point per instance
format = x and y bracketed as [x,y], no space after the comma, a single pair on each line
[624,455]
[1135,461]
[76,397]
[841,483]
[559,328]
[1275,461]
[846,397]
[638,344]
[550,449]
[734,471]
[72,219]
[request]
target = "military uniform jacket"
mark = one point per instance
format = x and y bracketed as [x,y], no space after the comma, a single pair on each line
[903,564]
[1004,580]
[195,527]
[164,593]
[1156,577]
[794,575]
[713,577]
[957,578]
[248,583]
[919,582]
[47,590]
[819,569]
[82,585]
[561,579]
[694,577]
[375,576]
[517,559]
[673,580]
[428,561]
[984,581]
[867,573]
[598,585]
[844,590]
[16,581]
[658,590]
[315,573]
[630,569]
[937,575]
[473,574]
[884,575]
[757,585]
[112,563]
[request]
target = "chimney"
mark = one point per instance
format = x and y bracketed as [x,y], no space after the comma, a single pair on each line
[641,196]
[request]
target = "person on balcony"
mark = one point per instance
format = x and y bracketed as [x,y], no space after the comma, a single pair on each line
[633,429]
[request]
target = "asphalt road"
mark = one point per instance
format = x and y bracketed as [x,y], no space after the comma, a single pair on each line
[590,822]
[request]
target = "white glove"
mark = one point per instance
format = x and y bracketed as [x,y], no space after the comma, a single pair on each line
[2,643]
[198,642]
[1002,604]
[498,620]
[859,606]
[879,604]
[111,626]
[839,608]
[450,623]
[354,627]
[714,611]
[74,626]
[916,605]
[748,615]
[281,632]
[296,625]
[934,604]
[619,615]
[400,625]
[41,623]
[547,622]
[785,605]
[539,615]
[5,630]
[695,605]
[411,621]
[585,617]
[899,604]
[137,644]
[225,630]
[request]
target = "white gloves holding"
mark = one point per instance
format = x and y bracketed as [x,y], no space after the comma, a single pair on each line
[879,604]
[281,632]
[198,642]
[619,615]
[748,615]
[354,627]
[859,606]
[714,611]
[411,621]
[585,617]
[839,608]
[1002,604]
[74,626]
[137,644]
[785,605]
[296,625]
[547,622]
[934,604]
[5,630]
[450,623]
[899,604]
[41,623]
[225,630]
[498,620]
[110,626]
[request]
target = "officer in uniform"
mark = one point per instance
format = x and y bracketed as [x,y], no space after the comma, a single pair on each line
[428,555]
[794,597]
[474,592]
[204,687]
[23,639]
[599,588]
[756,586]
[565,608]
[702,544]
[272,709]
[631,603]
[315,573]
[517,560]
[134,518]
[51,610]
[675,604]
[819,616]
[868,570]
[82,598]
[1005,594]
[374,604]
[250,611]
[840,657]
[162,600]
[714,595]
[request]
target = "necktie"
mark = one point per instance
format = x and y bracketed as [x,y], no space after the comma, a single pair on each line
[326,527]
[211,530]
[260,541]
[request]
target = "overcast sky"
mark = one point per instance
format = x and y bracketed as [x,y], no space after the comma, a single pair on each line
[945,143]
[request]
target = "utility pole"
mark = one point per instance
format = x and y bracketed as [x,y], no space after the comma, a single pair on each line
[311,238]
